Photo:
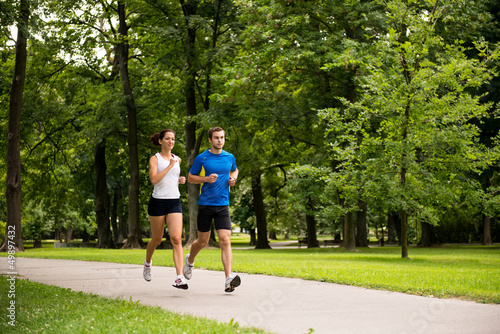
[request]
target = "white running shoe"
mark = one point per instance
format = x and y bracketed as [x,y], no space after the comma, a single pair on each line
[180,283]
[232,282]
[147,273]
[188,269]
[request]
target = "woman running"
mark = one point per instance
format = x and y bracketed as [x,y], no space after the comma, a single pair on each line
[165,204]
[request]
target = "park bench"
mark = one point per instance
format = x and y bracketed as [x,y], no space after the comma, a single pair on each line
[302,241]
[331,242]
[326,242]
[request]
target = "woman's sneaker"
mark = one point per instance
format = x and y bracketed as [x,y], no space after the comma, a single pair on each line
[188,268]
[147,273]
[180,283]
[232,282]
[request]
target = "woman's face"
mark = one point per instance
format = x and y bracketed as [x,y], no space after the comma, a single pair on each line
[168,140]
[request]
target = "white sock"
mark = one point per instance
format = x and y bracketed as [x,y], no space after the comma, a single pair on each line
[148,264]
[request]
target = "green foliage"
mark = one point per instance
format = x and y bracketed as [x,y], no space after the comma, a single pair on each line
[410,131]
[3,226]
[313,95]
[35,221]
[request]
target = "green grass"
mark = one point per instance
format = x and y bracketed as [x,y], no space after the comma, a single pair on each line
[49,309]
[465,272]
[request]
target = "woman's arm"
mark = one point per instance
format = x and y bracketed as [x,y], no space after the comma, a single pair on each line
[154,176]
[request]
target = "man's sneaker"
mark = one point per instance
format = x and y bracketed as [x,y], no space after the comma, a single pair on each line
[147,273]
[188,269]
[232,282]
[180,283]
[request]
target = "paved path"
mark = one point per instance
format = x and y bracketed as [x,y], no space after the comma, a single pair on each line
[279,305]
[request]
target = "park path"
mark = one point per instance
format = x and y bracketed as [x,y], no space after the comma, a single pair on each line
[278,305]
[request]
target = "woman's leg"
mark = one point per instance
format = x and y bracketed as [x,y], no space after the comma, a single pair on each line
[157,227]
[174,224]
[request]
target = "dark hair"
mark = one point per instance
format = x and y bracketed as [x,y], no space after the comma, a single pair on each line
[155,139]
[214,129]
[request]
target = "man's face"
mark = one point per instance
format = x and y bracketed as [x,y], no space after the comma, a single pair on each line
[217,140]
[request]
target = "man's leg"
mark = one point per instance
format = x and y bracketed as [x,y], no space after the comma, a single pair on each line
[225,249]
[198,245]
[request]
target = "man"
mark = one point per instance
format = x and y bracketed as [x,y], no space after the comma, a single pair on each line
[215,169]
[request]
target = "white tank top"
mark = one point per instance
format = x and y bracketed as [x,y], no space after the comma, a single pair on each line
[168,187]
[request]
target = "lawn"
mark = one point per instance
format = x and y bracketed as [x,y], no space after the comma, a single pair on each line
[48,309]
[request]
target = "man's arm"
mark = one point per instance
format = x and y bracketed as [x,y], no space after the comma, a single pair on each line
[232,177]
[196,179]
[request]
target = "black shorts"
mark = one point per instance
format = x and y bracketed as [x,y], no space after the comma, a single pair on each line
[220,215]
[162,207]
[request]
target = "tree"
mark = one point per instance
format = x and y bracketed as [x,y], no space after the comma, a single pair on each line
[102,201]
[306,187]
[134,239]
[13,236]
[414,115]
[191,40]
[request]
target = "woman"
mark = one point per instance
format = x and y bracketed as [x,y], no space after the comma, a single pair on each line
[165,204]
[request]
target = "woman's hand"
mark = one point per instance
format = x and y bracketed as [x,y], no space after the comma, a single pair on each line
[182,180]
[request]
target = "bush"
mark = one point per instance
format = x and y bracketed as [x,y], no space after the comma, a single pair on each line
[460,227]
[3,226]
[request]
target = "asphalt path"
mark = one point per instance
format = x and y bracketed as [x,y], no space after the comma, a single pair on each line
[277,305]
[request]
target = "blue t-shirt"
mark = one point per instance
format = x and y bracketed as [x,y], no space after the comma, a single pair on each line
[217,193]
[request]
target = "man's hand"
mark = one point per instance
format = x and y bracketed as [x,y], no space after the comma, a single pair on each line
[232,181]
[212,178]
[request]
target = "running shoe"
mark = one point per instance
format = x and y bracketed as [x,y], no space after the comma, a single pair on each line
[188,269]
[180,283]
[232,282]
[147,273]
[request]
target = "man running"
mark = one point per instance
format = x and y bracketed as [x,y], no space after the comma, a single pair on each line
[215,169]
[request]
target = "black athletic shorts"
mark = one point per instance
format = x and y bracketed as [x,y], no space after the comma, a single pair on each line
[220,215]
[162,207]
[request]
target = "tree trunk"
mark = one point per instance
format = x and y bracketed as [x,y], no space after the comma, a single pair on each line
[192,144]
[58,235]
[312,240]
[68,236]
[349,237]
[85,236]
[428,238]
[260,213]
[134,239]
[253,239]
[13,238]
[118,236]
[487,230]
[102,201]
[123,227]
[361,228]
[404,235]
[392,220]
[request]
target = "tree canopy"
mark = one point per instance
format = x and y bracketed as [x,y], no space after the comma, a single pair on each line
[344,116]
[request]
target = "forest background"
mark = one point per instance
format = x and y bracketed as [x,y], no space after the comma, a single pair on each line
[344,116]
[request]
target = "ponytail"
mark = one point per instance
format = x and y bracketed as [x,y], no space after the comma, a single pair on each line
[155,139]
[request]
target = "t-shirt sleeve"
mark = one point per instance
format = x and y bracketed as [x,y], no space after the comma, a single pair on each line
[233,164]
[196,167]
